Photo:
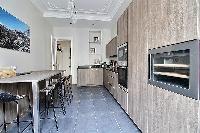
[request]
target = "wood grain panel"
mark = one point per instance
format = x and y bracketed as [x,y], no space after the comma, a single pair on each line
[154,24]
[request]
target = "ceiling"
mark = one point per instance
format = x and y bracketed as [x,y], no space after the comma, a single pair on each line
[96,13]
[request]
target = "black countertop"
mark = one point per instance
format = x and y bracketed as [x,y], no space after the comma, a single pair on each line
[89,66]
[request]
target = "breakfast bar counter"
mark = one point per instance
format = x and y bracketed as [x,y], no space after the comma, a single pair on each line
[34,78]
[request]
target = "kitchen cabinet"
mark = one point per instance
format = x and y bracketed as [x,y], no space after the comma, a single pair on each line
[118,92]
[83,77]
[90,77]
[124,99]
[96,76]
[122,28]
[111,48]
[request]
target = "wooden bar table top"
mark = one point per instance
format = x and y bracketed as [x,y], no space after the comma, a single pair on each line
[33,77]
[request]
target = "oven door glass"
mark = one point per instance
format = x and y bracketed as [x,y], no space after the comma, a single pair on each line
[122,76]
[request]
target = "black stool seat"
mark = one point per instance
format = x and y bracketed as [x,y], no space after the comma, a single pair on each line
[47,89]
[6,97]
[49,97]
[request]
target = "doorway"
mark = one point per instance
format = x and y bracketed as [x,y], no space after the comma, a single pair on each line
[63,56]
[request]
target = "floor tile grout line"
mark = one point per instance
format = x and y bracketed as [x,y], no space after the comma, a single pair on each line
[95,117]
[118,124]
[76,118]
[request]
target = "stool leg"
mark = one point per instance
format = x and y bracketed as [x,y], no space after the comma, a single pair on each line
[18,128]
[64,90]
[46,105]
[55,117]
[4,112]
[68,95]
[71,91]
[30,108]
[61,98]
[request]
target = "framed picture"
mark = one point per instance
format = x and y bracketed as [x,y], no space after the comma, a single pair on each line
[92,50]
[96,39]
[14,34]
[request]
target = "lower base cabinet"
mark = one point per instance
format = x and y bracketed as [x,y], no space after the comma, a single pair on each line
[90,77]
[110,81]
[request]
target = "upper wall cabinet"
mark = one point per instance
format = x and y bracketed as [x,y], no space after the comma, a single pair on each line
[122,28]
[111,48]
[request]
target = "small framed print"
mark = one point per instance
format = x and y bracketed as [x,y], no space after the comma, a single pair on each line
[92,50]
[96,39]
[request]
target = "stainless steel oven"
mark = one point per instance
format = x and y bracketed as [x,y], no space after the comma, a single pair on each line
[122,76]
[122,54]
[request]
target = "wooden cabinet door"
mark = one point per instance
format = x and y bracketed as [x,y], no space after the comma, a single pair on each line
[104,77]
[118,34]
[112,83]
[111,48]
[99,76]
[119,95]
[96,76]
[92,77]
[119,28]
[115,46]
[115,85]
[83,77]
[125,26]
[122,28]
[125,101]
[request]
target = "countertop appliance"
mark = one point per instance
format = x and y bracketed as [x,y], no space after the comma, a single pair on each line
[122,54]
[113,65]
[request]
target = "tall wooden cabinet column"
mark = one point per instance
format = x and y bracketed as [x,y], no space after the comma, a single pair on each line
[154,24]
[122,28]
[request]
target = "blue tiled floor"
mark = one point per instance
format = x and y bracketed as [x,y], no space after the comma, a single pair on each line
[93,110]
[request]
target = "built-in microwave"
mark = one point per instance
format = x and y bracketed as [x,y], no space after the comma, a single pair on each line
[122,54]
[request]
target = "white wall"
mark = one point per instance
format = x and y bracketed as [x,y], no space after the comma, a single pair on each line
[80,45]
[114,30]
[40,56]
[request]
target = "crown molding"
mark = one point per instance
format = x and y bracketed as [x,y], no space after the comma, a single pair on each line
[105,13]
[79,16]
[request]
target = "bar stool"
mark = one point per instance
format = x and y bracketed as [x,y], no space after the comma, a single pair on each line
[7,98]
[49,103]
[65,88]
[68,88]
[59,89]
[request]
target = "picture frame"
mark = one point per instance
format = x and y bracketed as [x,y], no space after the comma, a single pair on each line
[96,39]
[92,50]
[15,34]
